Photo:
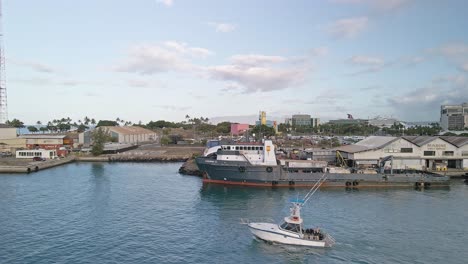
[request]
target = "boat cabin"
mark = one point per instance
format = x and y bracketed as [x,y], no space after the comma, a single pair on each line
[292,227]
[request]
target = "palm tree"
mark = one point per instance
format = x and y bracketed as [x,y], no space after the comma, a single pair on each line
[38,123]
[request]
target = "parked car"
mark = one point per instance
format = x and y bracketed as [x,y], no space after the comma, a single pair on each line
[38,159]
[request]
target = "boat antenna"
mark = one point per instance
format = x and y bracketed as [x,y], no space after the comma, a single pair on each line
[315,188]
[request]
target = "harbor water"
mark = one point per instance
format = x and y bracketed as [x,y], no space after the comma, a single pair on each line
[148,213]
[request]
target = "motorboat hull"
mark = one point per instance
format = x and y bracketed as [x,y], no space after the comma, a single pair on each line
[277,236]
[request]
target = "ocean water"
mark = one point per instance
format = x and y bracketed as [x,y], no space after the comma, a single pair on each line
[148,213]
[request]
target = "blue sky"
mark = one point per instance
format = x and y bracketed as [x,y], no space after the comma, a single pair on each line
[161,59]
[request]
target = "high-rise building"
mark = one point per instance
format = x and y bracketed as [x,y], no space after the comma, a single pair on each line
[454,117]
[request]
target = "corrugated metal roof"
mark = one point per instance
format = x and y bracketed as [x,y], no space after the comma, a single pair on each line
[456,141]
[129,130]
[374,142]
[420,140]
[42,136]
[352,148]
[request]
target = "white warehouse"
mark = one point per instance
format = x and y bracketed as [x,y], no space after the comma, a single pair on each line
[409,152]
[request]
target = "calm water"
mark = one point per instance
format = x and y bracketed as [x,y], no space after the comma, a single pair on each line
[148,213]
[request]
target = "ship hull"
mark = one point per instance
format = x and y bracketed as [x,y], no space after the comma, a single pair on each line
[245,174]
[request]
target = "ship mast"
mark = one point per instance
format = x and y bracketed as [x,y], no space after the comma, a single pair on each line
[3,92]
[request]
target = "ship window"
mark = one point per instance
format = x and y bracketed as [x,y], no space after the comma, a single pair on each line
[429,153]
[261,148]
[406,150]
[237,148]
[249,148]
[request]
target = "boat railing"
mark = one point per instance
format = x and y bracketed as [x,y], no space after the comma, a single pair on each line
[329,240]
[246,221]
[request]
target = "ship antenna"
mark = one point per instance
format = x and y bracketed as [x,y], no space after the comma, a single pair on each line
[315,188]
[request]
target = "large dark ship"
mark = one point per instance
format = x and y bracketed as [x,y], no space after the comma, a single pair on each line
[255,164]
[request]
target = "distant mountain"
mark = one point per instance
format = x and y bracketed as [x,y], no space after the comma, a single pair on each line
[247,119]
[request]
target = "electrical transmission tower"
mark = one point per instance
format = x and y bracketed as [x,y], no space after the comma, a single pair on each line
[3,93]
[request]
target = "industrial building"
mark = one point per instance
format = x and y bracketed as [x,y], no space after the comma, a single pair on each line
[454,117]
[238,129]
[9,141]
[131,134]
[32,153]
[48,142]
[408,152]
[263,121]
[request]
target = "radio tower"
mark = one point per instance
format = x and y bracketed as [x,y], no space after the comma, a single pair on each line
[3,93]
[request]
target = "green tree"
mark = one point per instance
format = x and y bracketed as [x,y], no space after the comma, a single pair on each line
[263,131]
[32,129]
[15,123]
[106,123]
[99,137]
[223,127]
[43,129]
[165,140]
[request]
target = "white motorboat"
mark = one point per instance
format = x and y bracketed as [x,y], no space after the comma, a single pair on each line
[292,231]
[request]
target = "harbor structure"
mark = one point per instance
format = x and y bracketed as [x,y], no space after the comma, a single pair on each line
[408,152]
[454,117]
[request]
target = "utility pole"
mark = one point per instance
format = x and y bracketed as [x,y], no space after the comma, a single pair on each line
[3,93]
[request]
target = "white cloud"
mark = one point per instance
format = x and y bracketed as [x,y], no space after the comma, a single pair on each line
[319,52]
[424,103]
[36,66]
[258,72]
[369,64]
[256,60]
[452,50]
[223,27]
[154,58]
[348,27]
[166,2]
[464,67]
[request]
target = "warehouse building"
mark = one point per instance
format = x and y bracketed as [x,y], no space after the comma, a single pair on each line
[408,152]
[124,135]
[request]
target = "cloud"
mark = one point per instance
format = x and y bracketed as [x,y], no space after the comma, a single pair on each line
[166,2]
[367,63]
[157,58]
[371,88]
[348,27]
[223,27]
[452,50]
[256,72]
[424,103]
[173,107]
[464,67]
[49,82]
[383,5]
[319,52]
[36,66]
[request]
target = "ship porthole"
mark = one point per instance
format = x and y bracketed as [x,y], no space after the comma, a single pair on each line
[269,169]
[241,169]
[348,183]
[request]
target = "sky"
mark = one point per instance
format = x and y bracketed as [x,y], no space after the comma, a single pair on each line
[148,60]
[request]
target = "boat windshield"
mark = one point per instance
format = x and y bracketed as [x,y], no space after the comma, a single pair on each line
[291,227]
